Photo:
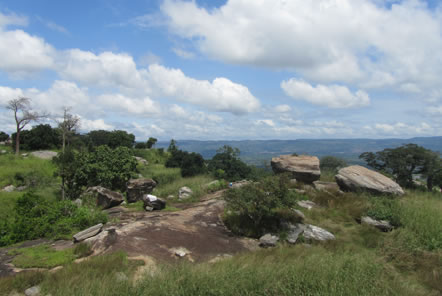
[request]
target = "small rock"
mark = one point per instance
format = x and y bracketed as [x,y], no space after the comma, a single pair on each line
[293,181]
[3,151]
[312,232]
[239,184]
[8,188]
[299,214]
[184,192]
[137,188]
[294,232]
[306,204]
[141,160]
[121,277]
[87,233]
[104,197]
[24,154]
[268,240]
[181,252]
[300,191]
[148,209]
[33,291]
[171,196]
[326,186]
[382,225]
[21,188]
[151,201]
[220,258]
[78,202]
[55,269]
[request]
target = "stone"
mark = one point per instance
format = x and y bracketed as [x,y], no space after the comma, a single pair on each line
[181,252]
[33,291]
[300,191]
[170,196]
[8,188]
[141,160]
[306,204]
[268,240]
[87,233]
[294,231]
[312,232]
[357,178]
[21,188]
[240,184]
[326,186]
[300,215]
[184,192]
[105,198]
[3,151]
[382,225]
[78,202]
[151,202]
[303,168]
[121,277]
[137,188]
[44,154]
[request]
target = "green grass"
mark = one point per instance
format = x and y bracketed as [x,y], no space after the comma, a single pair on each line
[153,156]
[327,176]
[160,173]
[42,256]
[198,184]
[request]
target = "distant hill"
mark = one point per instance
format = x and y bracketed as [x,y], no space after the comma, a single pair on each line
[258,152]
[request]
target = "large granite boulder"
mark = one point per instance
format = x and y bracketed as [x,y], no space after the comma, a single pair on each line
[304,168]
[105,198]
[357,178]
[137,188]
[87,233]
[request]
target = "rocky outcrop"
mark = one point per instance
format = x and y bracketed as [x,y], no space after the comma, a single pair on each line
[326,186]
[105,198]
[152,202]
[382,225]
[312,232]
[306,204]
[137,188]
[44,154]
[184,193]
[294,231]
[304,168]
[268,240]
[87,233]
[141,160]
[357,178]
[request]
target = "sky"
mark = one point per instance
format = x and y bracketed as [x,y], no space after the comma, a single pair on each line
[227,70]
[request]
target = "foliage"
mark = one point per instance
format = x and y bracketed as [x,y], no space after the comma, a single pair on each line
[113,139]
[161,174]
[140,145]
[105,167]
[332,163]
[153,156]
[226,164]
[67,169]
[35,217]
[151,142]
[385,208]
[42,256]
[3,136]
[40,137]
[405,161]
[259,207]
[190,163]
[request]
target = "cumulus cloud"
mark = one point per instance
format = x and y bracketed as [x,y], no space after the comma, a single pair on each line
[435,110]
[220,95]
[121,103]
[267,122]
[97,124]
[282,108]
[333,96]
[376,45]
[12,19]
[401,129]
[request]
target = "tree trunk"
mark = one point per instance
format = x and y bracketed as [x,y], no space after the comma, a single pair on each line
[17,142]
[64,140]
[430,183]
[62,188]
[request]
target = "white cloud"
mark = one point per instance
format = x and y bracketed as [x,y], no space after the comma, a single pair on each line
[183,53]
[220,95]
[267,122]
[435,110]
[22,54]
[149,58]
[7,93]
[333,96]
[282,108]
[121,103]
[375,46]
[12,19]
[402,129]
[97,124]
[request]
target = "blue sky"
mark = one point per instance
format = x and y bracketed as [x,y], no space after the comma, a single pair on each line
[238,69]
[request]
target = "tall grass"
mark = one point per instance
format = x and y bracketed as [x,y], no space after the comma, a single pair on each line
[281,271]
[160,173]
[198,184]
[153,156]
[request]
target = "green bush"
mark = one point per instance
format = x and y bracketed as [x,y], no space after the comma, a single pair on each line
[257,208]
[191,164]
[385,208]
[35,217]
[226,164]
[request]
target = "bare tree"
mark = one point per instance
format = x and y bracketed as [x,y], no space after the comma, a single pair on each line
[69,125]
[22,105]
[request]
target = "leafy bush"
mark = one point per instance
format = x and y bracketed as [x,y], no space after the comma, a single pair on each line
[259,207]
[226,164]
[140,145]
[35,217]
[113,139]
[3,136]
[191,164]
[385,208]
[42,136]
[332,163]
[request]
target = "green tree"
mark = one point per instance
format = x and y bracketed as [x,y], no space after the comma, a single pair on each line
[172,146]
[3,136]
[67,164]
[119,138]
[332,163]
[140,145]
[151,142]
[227,164]
[404,162]
[191,164]
[68,126]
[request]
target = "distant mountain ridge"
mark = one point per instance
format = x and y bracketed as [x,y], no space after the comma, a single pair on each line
[259,151]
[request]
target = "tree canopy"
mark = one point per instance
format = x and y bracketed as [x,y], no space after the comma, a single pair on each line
[227,164]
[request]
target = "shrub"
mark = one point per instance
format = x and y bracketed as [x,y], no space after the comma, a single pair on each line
[259,207]
[35,217]
[191,164]
[226,164]
[332,163]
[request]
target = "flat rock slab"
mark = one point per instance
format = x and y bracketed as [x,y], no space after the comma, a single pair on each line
[268,240]
[312,232]
[303,168]
[87,233]
[326,186]
[357,178]
[306,204]
[104,197]
[382,225]
[44,154]
[156,233]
